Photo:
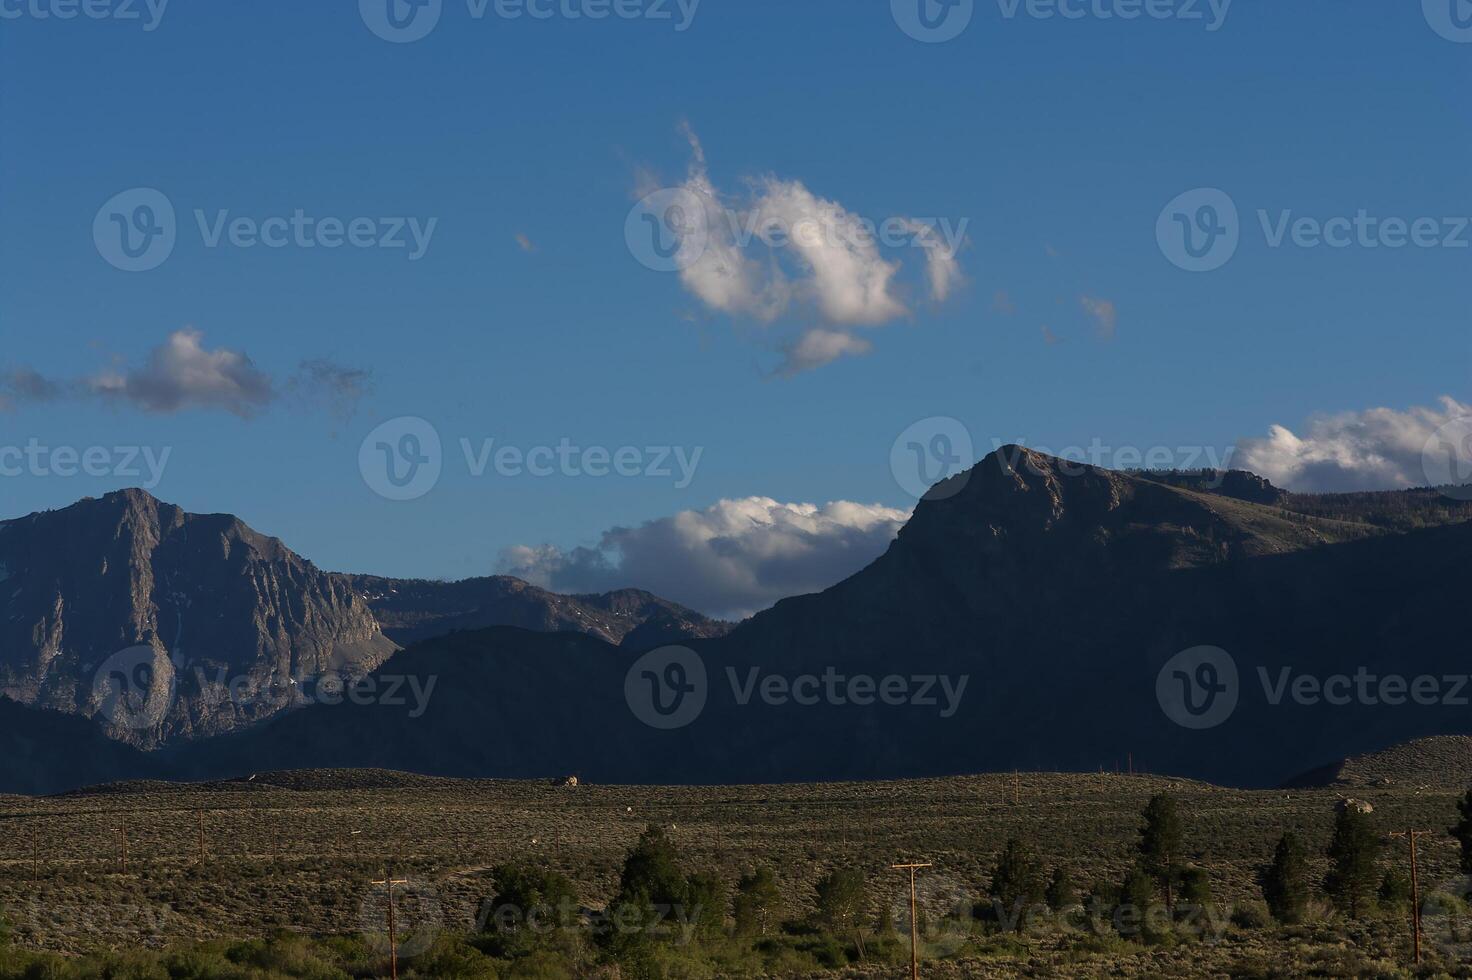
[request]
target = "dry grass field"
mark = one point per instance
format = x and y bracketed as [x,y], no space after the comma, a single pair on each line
[297,853]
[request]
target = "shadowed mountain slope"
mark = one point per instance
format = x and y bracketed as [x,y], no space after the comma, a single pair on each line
[1023,618]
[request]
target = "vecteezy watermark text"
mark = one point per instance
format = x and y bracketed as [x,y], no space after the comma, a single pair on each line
[148,13]
[137,687]
[126,462]
[1075,460]
[407,21]
[671,229]
[1201,230]
[403,458]
[936,21]
[676,921]
[1200,688]
[668,688]
[137,230]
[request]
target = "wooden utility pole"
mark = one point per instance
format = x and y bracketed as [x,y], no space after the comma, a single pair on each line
[1411,836]
[201,838]
[914,927]
[1016,787]
[389,881]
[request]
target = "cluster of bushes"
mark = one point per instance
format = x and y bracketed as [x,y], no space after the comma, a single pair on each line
[666,920]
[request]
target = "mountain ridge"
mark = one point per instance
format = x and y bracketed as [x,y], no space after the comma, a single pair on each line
[1061,594]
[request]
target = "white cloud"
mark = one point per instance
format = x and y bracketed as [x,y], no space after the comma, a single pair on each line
[817,347]
[181,374]
[729,560]
[1377,449]
[942,268]
[823,262]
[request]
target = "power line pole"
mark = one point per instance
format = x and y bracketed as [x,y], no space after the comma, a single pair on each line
[123,841]
[201,838]
[389,881]
[914,928]
[1411,836]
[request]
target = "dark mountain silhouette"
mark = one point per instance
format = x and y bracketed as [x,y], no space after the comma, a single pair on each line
[47,752]
[1060,594]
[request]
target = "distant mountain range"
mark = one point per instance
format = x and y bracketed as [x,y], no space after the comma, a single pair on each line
[1031,614]
[166,626]
[410,610]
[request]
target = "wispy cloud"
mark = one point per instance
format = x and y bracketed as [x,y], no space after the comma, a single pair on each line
[1106,317]
[182,374]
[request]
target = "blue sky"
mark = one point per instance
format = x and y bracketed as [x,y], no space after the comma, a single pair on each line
[1057,141]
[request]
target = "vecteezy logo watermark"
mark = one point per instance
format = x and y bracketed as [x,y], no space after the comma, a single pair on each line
[135,687]
[1199,230]
[149,13]
[406,913]
[945,921]
[666,231]
[933,21]
[1452,19]
[1446,918]
[126,462]
[668,688]
[931,459]
[1197,688]
[1447,459]
[671,229]
[401,21]
[401,459]
[406,21]
[136,231]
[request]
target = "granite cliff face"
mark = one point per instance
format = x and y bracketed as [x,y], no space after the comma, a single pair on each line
[163,625]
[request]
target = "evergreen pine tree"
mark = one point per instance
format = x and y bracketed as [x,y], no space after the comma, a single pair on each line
[1061,894]
[1285,881]
[1017,884]
[1161,844]
[1354,856]
[1463,830]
